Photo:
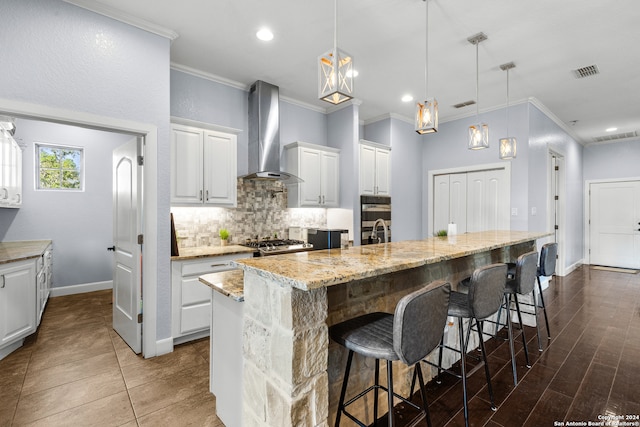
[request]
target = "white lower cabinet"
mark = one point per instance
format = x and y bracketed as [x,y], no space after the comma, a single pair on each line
[17,303]
[191,299]
[43,280]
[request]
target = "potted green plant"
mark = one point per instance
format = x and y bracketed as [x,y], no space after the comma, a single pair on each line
[224,236]
[441,233]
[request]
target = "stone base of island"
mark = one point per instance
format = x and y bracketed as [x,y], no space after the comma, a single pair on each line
[289,373]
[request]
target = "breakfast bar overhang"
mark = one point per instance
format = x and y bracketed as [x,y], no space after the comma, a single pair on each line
[291,373]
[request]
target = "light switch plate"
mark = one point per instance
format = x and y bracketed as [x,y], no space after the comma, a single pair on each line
[514,211]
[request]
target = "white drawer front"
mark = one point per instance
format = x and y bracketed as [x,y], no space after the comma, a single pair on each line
[195,292]
[195,318]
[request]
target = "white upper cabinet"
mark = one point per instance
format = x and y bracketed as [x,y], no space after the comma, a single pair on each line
[319,167]
[375,169]
[203,167]
[10,171]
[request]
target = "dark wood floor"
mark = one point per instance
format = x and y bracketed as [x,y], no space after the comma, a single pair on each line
[590,369]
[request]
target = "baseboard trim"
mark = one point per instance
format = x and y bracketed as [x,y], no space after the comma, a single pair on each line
[572,268]
[164,346]
[82,288]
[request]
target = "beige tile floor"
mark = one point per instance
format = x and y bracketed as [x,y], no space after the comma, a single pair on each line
[76,371]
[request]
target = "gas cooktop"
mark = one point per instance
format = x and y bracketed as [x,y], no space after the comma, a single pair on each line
[278,246]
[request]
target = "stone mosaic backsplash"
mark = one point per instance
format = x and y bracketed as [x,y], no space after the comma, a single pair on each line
[262,211]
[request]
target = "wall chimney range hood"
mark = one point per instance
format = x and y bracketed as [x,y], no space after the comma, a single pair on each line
[264,134]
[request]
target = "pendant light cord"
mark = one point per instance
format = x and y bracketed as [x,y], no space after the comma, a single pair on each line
[335,25]
[477,84]
[507,103]
[426,56]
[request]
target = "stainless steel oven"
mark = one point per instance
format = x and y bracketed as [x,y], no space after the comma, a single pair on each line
[268,247]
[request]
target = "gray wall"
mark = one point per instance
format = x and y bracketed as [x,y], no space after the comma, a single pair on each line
[79,223]
[546,135]
[66,57]
[612,161]
[207,101]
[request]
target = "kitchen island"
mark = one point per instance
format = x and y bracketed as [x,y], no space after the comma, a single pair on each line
[291,373]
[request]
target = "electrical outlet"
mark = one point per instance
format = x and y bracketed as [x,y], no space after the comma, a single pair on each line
[514,211]
[534,211]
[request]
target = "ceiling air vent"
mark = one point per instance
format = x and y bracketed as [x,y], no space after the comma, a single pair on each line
[583,72]
[623,135]
[464,104]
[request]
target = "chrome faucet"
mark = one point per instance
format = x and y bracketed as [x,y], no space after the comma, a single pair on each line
[374,232]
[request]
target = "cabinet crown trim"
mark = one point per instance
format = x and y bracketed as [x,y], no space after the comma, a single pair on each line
[375,144]
[314,146]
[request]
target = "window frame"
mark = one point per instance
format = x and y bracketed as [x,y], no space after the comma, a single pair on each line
[80,167]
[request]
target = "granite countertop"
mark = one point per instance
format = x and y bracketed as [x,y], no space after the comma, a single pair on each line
[21,250]
[315,269]
[229,283]
[208,251]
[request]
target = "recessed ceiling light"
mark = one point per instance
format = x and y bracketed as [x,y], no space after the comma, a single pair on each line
[352,73]
[407,98]
[611,129]
[265,34]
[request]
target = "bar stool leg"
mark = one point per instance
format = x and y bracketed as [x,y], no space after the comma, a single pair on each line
[343,392]
[423,394]
[544,309]
[486,366]
[524,338]
[463,351]
[511,349]
[375,391]
[390,392]
[439,378]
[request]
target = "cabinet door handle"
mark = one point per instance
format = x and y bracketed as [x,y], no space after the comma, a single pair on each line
[5,193]
[319,199]
[200,195]
[207,196]
[2,287]
[323,200]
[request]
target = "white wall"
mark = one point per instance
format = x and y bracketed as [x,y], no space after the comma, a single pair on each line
[79,223]
[66,57]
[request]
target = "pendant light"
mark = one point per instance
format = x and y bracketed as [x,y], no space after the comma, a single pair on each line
[427,112]
[335,70]
[508,143]
[479,132]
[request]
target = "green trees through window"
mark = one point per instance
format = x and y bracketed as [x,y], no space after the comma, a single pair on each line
[59,167]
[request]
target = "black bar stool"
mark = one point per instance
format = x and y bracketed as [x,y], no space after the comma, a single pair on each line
[409,335]
[483,300]
[547,267]
[522,283]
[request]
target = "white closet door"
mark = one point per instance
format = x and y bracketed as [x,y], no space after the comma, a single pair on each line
[458,201]
[476,188]
[441,193]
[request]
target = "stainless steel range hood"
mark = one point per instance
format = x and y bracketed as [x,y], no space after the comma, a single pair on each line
[264,134]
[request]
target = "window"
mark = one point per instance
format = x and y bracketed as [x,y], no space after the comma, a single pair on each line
[59,168]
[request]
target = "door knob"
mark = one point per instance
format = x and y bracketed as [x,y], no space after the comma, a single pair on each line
[112,248]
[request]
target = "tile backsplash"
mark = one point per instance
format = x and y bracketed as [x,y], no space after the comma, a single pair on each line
[262,211]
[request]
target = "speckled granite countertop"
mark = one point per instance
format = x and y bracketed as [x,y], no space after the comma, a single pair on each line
[311,270]
[229,283]
[21,250]
[207,251]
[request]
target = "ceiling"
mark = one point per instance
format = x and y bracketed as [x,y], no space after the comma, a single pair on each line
[546,39]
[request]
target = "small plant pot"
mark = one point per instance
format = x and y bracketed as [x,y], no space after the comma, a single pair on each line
[224,242]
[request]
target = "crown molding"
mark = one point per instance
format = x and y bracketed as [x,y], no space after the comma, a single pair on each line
[386,116]
[208,76]
[303,104]
[126,18]
[540,106]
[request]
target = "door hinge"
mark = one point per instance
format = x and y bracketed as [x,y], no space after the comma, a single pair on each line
[140,239]
[140,160]
[556,227]
[557,168]
[557,197]
[140,318]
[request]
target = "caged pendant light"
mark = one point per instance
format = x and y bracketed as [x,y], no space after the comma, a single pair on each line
[508,143]
[335,70]
[479,132]
[427,111]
